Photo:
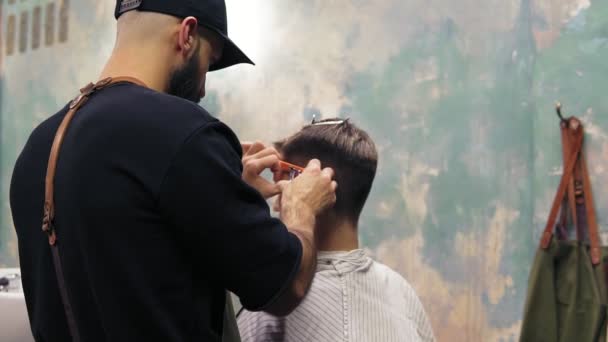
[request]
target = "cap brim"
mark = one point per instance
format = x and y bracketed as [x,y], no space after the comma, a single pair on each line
[230,56]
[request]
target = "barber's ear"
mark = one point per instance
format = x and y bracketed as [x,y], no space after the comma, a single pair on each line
[187,34]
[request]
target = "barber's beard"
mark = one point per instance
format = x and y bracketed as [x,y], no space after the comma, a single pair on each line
[184,82]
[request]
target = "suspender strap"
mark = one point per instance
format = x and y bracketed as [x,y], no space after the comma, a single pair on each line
[49,203]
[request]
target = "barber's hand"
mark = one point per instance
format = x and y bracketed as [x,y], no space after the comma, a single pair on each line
[276,204]
[312,192]
[257,158]
[245,146]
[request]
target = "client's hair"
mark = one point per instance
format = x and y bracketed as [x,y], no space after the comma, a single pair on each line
[344,147]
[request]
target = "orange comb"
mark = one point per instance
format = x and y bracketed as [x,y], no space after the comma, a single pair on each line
[293,170]
[285,166]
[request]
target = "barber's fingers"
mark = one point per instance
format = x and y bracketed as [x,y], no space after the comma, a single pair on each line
[328,172]
[314,166]
[245,146]
[266,188]
[255,166]
[254,148]
[282,185]
[262,153]
[278,174]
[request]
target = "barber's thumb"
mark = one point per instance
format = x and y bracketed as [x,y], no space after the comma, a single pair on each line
[314,163]
[282,184]
[276,205]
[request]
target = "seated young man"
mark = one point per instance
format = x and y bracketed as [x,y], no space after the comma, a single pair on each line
[352,297]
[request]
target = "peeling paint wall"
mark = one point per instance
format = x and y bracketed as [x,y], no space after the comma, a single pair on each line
[458,95]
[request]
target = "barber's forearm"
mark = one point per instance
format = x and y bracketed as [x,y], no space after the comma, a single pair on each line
[301,225]
[301,222]
[308,264]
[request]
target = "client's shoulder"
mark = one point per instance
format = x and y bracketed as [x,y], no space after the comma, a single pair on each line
[390,276]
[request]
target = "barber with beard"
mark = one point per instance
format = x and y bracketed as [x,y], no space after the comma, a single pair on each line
[157,212]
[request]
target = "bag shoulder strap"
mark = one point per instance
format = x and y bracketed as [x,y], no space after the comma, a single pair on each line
[48,226]
[569,202]
[594,236]
[574,128]
[575,184]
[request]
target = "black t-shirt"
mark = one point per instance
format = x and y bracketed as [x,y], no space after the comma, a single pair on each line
[153,222]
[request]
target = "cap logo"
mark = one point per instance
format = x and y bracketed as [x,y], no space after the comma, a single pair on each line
[128,5]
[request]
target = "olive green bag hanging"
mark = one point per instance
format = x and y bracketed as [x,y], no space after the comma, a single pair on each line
[566,298]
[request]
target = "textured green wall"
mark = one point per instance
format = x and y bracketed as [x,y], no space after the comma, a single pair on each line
[457,94]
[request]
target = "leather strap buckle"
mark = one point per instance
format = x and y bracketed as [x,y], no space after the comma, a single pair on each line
[84,92]
[90,89]
[48,227]
[578,188]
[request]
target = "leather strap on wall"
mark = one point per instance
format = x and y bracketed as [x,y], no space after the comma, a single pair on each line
[569,200]
[48,226]
[576,186]
[594,236]
[573,128]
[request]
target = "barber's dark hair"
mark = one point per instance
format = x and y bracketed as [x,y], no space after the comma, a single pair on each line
[344,147]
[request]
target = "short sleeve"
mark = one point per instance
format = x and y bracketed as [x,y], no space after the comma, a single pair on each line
[224,222]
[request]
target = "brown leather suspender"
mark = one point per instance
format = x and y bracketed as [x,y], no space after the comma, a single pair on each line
[49,204]
[576,185]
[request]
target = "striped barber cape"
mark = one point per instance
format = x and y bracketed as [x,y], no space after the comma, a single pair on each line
[352,299]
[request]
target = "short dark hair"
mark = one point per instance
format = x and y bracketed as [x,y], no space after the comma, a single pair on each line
[344,147]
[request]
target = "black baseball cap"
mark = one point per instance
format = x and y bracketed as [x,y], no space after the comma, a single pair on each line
[209,13]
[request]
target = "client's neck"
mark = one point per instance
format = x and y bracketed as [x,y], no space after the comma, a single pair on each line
[336,234]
